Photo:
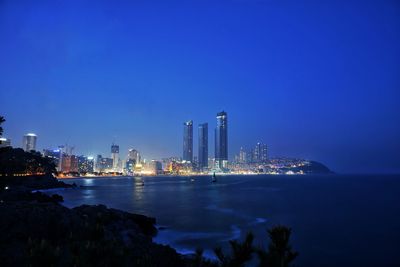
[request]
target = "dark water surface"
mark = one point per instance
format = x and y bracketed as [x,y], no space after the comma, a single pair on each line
[336,220]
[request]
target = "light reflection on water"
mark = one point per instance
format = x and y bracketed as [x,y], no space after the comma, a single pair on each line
[88,181]
[320,209]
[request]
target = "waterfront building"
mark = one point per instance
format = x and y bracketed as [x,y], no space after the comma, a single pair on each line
[134,155]
[211,163]
[104,164]
[155,167]
[130,165]
[29,142]
[188,141]
[85,164]
[138,168]
[107,164]
[203,146]
[242,156]
[69,164]
[179,167]
[221,140]
[97,164]
[115,156]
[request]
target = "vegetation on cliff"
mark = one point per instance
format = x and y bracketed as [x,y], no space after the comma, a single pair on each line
[14,161]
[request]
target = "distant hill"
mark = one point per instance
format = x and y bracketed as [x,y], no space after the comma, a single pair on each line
[313,167]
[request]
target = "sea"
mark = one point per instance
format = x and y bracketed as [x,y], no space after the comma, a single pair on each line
[336,220]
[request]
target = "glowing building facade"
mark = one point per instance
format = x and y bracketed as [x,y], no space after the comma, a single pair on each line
[29,142]
[221,140]
[188,141]
[115,157]
[260,153]
[85,164]
[134,155]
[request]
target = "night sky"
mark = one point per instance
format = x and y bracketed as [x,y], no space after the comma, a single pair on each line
[318,80]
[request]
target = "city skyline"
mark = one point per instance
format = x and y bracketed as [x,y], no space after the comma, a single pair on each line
[199,133]
[258,154]
[294,78]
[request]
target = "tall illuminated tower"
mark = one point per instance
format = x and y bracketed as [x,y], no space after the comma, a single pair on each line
[115,156]
[188,141]
[29,142]
[203,145]
[221,140]
[260,153]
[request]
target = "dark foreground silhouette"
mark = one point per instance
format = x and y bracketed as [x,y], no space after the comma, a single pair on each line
[38,231]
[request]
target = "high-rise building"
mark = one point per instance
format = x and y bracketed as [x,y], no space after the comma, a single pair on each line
[242,156]
[85,164]
[103,164]
[188,141]
[256,153]
[260,153]
[66,149]
[203,145]
[29,142]
[97,164]
[69,164]
[4,142]
[134,155]
[130,165]
[263,154]
[155,167]
[115,156]
[221,140]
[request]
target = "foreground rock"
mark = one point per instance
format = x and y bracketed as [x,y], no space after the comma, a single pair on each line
[37,231]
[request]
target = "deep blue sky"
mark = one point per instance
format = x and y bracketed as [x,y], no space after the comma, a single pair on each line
[318,79]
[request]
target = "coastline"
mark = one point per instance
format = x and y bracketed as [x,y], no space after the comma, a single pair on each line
[44,224]
[193,175]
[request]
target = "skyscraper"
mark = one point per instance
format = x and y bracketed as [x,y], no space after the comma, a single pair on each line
[103,164]
[29,142]
[188,141]
[134,155]
[221,140]
[98,166]
[115,156]
[203,145]
[69,164]
[242,156]
[260,153]
[263,154]
[85,164]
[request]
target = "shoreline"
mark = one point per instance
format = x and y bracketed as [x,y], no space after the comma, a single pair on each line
[34,213]
[204,175]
